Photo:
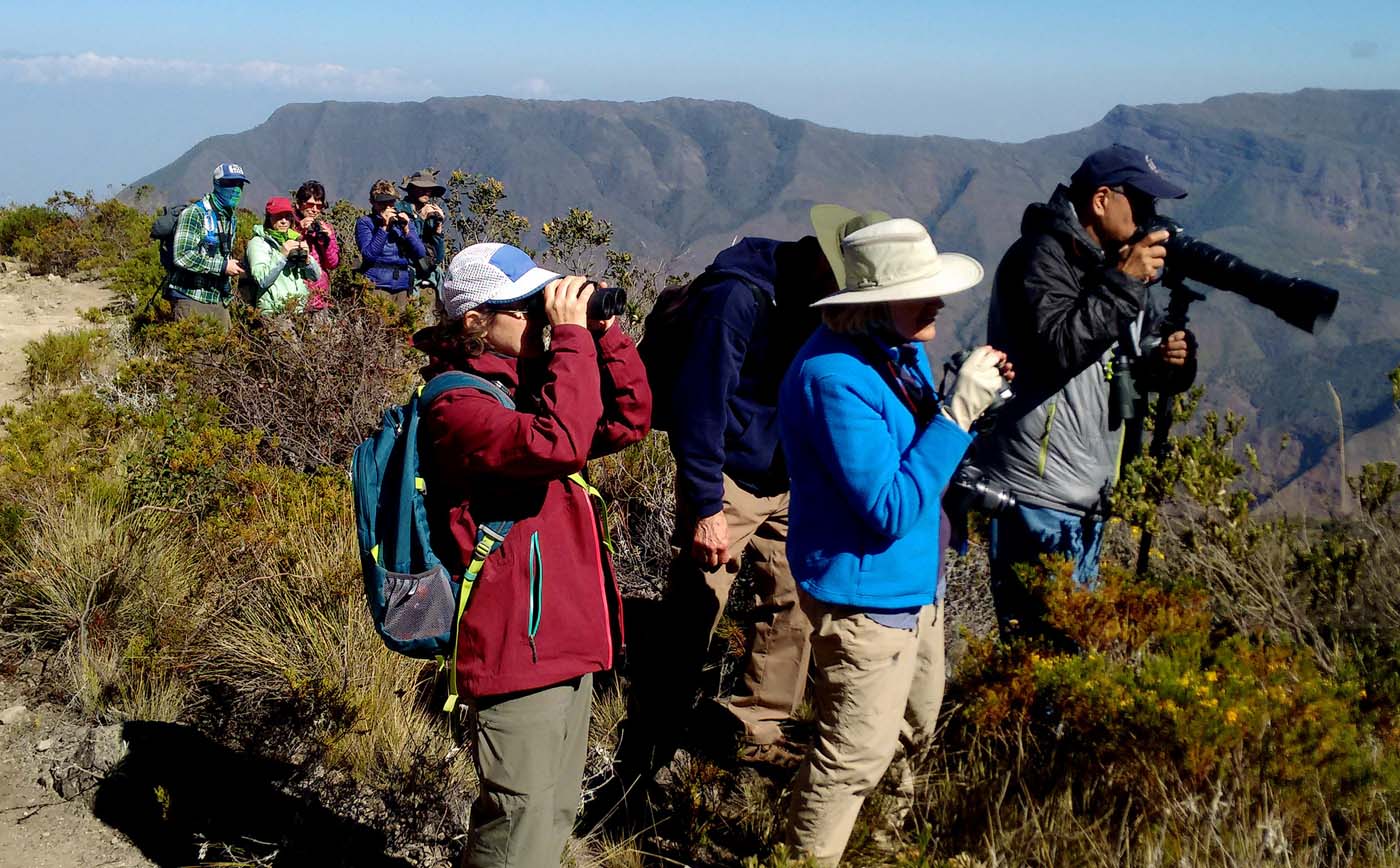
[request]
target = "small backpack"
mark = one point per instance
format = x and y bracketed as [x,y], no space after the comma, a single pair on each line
[167,221]
[414,601]
[665,339]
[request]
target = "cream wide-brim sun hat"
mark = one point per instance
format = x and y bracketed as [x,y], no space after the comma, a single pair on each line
[895,260]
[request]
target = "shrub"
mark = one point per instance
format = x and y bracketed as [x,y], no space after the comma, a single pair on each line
[23,221]
[60,359]
[87,234]
[311,387]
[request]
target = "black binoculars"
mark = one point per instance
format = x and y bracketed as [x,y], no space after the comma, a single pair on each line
[606,302]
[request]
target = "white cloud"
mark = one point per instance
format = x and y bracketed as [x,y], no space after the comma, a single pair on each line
[537,88]
[88,66]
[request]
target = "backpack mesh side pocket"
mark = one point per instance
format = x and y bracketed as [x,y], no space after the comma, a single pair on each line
[419,606]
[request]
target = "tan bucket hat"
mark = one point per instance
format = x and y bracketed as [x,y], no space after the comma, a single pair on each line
[895,260]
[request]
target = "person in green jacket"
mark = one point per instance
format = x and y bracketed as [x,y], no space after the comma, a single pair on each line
[279,260]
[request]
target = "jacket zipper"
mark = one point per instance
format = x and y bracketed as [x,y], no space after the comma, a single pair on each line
[536,594]
[1045,438]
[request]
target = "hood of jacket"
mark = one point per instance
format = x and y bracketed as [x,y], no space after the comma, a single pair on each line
[1058,217]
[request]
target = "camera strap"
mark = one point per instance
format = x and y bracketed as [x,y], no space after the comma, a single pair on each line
[916,394]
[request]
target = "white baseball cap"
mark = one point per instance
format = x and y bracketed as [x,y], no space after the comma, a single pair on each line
[490,273]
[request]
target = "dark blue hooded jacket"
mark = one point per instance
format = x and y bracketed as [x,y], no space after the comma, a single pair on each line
[725,406]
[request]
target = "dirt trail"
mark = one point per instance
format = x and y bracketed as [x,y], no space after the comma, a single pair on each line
[31,306]
[38,828]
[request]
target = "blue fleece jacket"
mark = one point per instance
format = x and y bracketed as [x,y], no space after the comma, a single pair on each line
[726,401]
[386,253]
[867,483]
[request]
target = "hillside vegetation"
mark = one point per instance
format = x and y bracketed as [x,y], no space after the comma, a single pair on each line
[1302,183]
[179,547]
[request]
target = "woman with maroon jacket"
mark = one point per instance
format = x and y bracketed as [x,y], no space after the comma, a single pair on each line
[545,613]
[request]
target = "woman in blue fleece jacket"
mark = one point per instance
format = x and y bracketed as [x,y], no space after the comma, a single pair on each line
[870,447]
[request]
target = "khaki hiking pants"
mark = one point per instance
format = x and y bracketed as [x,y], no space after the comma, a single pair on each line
[775,673]
[530,750]
[877,693]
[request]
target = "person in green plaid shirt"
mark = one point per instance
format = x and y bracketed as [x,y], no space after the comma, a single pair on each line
[201,282]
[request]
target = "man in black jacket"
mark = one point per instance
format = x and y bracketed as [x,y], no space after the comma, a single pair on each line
[1070,307]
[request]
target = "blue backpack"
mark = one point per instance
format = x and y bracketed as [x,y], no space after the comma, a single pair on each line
[414,601]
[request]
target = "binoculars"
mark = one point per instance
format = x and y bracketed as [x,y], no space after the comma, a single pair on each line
[605,302]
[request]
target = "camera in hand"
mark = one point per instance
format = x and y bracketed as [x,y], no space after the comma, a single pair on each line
[950,375]
[1298,302]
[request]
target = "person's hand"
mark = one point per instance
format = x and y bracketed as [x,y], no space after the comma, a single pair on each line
[233,268]
[1143,261]
[431,210]
[290,245]
[305,223]
[566,300]
[600,326]
[710,547]
[1177,348]
[980,380]
[403,218]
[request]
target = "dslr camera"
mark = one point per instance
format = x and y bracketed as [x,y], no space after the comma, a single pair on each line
[1301,303]
[967,491]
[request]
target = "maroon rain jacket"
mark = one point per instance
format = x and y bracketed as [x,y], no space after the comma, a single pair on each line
[584,398]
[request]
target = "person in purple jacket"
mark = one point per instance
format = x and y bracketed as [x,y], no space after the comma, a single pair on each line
[389,245]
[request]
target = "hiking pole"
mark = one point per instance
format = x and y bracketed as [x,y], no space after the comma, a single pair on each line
[1178,309]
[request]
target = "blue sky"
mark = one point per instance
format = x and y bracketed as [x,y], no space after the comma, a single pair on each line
[102,93]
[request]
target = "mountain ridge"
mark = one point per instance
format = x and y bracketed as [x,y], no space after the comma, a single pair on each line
[1305,183]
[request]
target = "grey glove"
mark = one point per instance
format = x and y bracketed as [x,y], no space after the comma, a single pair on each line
[978,386]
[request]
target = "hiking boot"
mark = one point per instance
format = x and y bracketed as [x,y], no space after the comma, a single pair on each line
[781,754]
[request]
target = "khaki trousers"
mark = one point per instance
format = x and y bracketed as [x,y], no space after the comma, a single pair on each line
[877,692]
[530,750]
[775,674]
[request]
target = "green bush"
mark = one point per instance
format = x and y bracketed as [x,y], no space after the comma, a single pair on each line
[23,221]
[88,235]
[60,359]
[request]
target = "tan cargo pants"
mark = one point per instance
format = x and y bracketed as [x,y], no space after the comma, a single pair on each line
[877,692]
[775,673]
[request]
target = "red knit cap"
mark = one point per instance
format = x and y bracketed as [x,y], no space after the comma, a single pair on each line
[279,205]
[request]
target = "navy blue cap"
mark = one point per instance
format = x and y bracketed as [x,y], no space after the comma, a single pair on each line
[1120,165]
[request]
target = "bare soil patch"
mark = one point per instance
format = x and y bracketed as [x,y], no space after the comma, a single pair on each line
[30,307]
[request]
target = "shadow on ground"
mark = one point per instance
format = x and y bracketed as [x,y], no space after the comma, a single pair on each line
[183,799]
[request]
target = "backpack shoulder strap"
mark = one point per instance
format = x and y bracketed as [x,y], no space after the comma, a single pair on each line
[452,380]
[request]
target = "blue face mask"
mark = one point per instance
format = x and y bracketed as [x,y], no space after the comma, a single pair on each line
[228,197]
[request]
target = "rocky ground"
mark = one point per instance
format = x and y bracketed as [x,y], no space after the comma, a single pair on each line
[49,769]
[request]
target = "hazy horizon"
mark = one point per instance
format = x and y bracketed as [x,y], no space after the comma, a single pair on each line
[108,95]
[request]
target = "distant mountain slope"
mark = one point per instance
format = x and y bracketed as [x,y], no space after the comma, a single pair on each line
[1305,183]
